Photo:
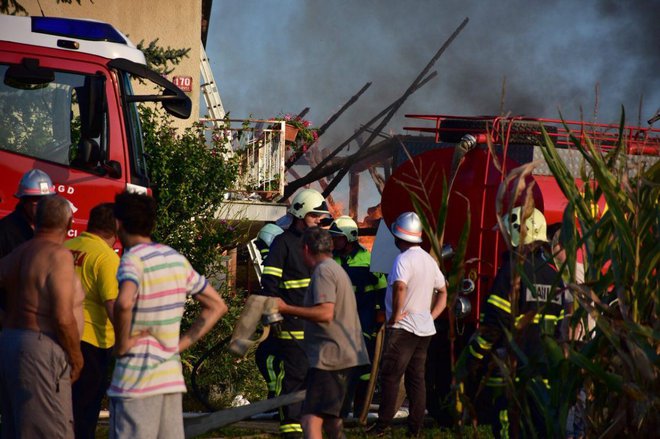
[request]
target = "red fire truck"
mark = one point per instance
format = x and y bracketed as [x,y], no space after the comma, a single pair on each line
[514,141]
[69,109]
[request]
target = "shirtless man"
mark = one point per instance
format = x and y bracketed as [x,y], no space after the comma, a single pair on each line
[40,341]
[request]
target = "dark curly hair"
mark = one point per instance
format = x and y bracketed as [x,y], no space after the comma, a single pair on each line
[137,213]
[102,220]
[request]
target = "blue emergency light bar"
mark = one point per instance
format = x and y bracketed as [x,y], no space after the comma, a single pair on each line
[78,29]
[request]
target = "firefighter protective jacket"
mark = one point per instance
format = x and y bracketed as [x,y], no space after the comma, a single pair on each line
[263,249]
[369,287]
[285,275]
[536,294]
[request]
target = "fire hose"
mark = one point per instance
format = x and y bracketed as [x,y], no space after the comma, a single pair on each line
[258,310]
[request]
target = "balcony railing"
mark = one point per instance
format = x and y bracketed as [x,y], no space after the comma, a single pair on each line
[260,148]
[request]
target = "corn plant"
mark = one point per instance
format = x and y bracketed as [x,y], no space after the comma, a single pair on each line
[617,362]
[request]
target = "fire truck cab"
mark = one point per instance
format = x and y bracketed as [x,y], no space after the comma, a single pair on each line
[68,108]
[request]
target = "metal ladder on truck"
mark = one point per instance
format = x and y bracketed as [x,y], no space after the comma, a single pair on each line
[210,89]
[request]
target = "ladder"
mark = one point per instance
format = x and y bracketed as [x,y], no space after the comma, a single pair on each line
[210,90]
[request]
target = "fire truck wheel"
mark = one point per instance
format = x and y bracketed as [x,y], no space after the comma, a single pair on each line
[522,131]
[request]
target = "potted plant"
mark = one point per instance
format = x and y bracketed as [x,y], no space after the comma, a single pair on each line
[299,133]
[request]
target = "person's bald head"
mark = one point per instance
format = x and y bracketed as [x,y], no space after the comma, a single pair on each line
[53,213]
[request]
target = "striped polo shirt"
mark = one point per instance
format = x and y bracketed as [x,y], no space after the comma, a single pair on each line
[164,279]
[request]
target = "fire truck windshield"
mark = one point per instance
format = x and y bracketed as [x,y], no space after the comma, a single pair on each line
[62,121]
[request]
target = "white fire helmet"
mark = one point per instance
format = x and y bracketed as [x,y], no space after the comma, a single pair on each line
[344,225]
[535,223]
[35,183]
[408,227]
[268,233]
[308,201]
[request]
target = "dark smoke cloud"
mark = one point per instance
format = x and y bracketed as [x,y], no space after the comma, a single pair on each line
[272,56]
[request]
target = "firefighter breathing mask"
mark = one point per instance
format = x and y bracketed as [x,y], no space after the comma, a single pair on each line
[535,223]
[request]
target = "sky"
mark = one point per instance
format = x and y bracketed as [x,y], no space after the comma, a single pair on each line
[271,57]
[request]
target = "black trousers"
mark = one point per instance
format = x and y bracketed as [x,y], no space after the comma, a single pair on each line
[269,365]
[295,365]
[404,355]
[89,390]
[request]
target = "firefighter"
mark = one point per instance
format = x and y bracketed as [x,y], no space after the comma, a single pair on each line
[265,238]
[286,276]
[266,351]
[536,295]
[369,289]
[18,226]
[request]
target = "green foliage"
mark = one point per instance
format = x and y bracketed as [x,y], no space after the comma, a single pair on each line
[189,176]
[618,362]
[12,7]
[159,58]
[221,376]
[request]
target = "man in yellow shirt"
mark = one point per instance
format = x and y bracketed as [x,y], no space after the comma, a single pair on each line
[96,264]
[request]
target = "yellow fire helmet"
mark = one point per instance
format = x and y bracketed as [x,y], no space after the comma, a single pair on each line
[535,223]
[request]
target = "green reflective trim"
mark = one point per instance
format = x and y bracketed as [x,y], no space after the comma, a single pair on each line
[475,353]
[291,428]
[483,344]
[272,376]
[537,318]
[365,377]
[495,382]
[500,303]
[297,283]
[504,422]
[290,335]
[273,271]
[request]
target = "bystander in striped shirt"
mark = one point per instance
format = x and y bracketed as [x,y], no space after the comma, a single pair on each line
[164,278]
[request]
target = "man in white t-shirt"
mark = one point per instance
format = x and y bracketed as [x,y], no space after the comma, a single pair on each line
[416,296]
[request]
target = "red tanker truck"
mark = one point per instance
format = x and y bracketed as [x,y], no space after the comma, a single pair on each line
[514,141]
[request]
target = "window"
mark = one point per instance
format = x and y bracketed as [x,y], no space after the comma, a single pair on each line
[62,121]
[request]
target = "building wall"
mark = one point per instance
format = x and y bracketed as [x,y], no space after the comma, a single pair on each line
[175,24]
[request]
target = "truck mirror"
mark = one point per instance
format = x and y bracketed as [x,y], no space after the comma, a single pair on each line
[176,106]
[28,75]
[174,100]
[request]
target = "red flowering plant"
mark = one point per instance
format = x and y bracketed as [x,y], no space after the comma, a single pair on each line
[307,135]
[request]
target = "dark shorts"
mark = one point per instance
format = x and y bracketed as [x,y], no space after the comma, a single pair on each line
[326,390]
